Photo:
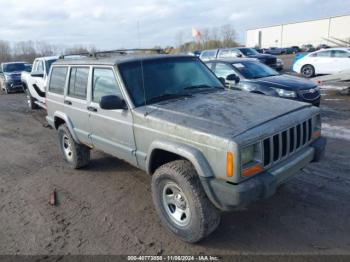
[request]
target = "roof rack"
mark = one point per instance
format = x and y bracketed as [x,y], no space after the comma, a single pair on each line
[117,51]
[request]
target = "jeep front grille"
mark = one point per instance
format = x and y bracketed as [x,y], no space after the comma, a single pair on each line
[287,142]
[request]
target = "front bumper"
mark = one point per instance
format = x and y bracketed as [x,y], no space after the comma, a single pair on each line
[226,196]
[14,86]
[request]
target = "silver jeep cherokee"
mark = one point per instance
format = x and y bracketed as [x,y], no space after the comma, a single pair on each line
[208,149]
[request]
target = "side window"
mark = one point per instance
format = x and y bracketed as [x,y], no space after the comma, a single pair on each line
[223,70]
[104,83]
[58,79]
[340,53]
[78,81]
[40,66]
[324,54]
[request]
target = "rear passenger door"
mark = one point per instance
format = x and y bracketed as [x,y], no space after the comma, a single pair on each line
[75,103]
[111,130]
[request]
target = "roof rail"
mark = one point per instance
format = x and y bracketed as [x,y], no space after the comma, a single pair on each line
[117,51]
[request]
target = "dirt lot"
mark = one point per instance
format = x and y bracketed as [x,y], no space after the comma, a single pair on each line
[107,207]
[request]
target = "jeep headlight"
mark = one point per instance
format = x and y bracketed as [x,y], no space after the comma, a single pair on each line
[8,77]
[279,62]
[251,160]
[250,154]
[285,93]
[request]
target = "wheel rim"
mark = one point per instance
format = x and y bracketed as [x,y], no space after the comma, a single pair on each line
[67,147]
[175,204]
[307,71]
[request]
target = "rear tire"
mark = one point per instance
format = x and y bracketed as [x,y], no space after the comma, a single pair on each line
[308,71]
[181,202]
[76,155]
[30,100]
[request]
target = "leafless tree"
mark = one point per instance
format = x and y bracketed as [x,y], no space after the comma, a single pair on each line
[5,51]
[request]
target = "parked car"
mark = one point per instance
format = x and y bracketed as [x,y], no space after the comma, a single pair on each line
[329,61]
[255,77]
[308,48]
[206,147]
[36,80]
[10,76]
[274,51]
[296,49]
[322,46]
[267,59]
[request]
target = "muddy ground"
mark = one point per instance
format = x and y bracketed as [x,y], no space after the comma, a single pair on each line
[107,207]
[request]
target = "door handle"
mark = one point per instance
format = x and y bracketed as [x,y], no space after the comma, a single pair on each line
[92,109]
[67,102]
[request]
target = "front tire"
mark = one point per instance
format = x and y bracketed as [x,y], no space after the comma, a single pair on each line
[181,202]
[30,100]
[76,155]
[308,71]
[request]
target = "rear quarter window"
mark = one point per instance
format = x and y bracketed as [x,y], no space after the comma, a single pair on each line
[58,80]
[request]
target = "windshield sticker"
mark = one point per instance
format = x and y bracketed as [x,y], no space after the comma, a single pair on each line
[239,65]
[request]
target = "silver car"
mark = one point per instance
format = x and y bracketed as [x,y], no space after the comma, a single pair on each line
[208,149]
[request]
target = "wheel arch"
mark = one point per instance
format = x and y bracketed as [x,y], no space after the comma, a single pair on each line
[174,151]
[61,118]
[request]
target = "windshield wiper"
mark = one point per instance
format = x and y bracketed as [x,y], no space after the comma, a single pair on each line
[202,87]
[167,97]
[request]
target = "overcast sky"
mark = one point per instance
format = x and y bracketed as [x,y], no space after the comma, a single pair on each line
[113,23]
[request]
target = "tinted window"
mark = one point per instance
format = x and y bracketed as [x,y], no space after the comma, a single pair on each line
[254,70]
[104,84]
[78,82]
[58,79]
[48,65]
[167,77]
[248,51]
[340,53]
[323,54]
[14,67]
[223,70]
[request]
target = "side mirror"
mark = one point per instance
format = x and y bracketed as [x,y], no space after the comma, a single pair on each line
[111,102]
[37,74]
[238,55]
[233,77]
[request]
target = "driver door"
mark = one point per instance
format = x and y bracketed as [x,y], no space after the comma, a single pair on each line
[111,130]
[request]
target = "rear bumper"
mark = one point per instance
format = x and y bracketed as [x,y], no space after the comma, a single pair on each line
[227,196]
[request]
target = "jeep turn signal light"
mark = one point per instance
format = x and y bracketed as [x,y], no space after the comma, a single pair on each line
[229,164]
[252,170]
[316,134]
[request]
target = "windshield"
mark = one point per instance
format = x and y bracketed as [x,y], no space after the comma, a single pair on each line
[28,68]
[166,78]
[248,51]
[48,65]
[254,70]
[8,68]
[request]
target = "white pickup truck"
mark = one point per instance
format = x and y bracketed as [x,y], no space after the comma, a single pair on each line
[35,81]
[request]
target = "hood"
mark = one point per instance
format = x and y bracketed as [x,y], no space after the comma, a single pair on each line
[287,82]
[224,113]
